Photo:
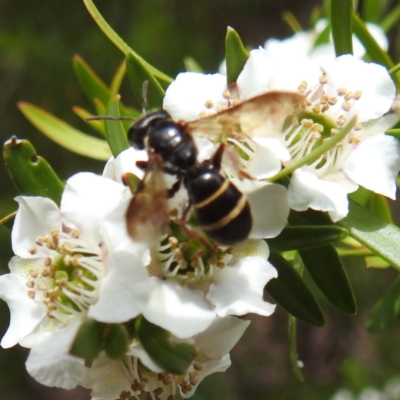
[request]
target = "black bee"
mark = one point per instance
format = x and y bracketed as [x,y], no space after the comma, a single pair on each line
[222,210]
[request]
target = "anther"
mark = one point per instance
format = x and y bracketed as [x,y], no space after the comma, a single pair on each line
[209,104]
[302,87]
[32,250]
[358,126]
[158,391]
[357,94]
[226,94]
[42,287]
[39,240]
[30,284]
[324,108]
[47,262]
[202,114]
[346,106]
[332,100]
[31,294]
[341,91]
[316,109]
[348,96]
[33,273]
[323,79]
[341,120]
[75,234]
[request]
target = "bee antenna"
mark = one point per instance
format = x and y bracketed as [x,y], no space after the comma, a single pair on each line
[145,87]
[102,117]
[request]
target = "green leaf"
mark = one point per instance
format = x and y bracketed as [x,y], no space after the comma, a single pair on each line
[116,341]
[88,341]
[118,42]
[192,65]
[310,217]
[292,21]
[380,207]
[235,54]
[31,174]
[115,132]
[391,19]
[323,37]
[138,73]
[376,262]
[373,10]
[290,291]
[341,12]
[305,237]
[92,85]
[95,124]
[8,220]
[372,48]
[64,134]
[327,271]
[378,235]
[294,358]
[385,309]
[174,358]
[118,78]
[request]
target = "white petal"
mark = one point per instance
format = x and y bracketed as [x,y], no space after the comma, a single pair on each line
[182,311]
[125,162]
[36,216]
[186,97]
[306,190]
[87,198]
[208,368]
[269,207]
[50,362]
[266,163]
[26,313]
[239,290]
[137,350]
[373,80]
[221,336]
[124,291]
[375,163]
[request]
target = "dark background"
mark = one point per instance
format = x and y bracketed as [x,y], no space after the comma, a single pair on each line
[37,42]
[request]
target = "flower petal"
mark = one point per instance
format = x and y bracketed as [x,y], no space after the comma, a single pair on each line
[221,336]
[124,291]
[36,216]
[50,362]
[26,313]
[306,190]
[377,176]
[182,311]
[87,198]
[269,207]
[239,290]
[187,96]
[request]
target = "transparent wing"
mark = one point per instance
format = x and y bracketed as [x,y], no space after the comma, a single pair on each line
[263,115]
[148,213]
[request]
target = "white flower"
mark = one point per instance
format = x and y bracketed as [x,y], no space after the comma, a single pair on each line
[62,274]
[348,88]
[302,44]
[136,374]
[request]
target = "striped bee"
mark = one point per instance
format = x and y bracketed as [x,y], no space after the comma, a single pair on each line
[222,210]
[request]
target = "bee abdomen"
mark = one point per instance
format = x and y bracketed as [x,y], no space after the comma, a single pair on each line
[225,214]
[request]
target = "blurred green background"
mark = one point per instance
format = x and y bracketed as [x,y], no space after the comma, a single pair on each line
[37,43]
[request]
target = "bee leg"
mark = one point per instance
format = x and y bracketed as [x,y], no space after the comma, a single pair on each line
[174,189]
[216,159]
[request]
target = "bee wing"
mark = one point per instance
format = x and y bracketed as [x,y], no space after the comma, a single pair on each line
[260,116]
[148,212]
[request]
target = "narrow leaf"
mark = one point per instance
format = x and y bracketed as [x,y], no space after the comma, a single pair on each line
[341,12]
[378,235]
[31,174]
[391,19]
[235,55]
[118,78]
[294,358]
[371,46]
[116,341]
[385,309]
[292,21]
[327,271]
[92,85]
[174,358]
[306,237]
[118,42]
[84,115]
[373,10]
[380,207]
[290,291]
[115,132]
[64,134]
[138,73]
[8,220]
[192,65]
[88,341]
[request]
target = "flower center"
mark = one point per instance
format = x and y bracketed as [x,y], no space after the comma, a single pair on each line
[67,280]
[188,256]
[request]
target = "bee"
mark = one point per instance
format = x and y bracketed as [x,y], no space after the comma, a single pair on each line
[222,210]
